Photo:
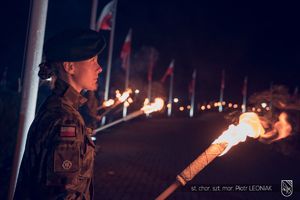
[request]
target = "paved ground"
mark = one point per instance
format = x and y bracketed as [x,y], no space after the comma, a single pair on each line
[141,158]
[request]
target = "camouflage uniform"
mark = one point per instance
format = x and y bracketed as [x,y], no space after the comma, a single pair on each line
[59,156]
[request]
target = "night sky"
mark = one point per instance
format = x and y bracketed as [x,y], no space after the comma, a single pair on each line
[254,38]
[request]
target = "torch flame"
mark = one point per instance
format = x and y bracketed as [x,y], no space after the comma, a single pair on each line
[157,105]
[108,103]
[249,126]
[122,97]
[282,129]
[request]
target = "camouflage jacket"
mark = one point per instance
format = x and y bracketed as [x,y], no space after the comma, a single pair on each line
[59,154]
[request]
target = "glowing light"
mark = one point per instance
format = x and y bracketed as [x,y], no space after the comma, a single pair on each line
[219,104]
[168,105]
[136,91]
[118,94]
[235,106]
[108,103]
[223,103]
[202,107]
[175,100]
[243,106]
[157,105]
[258,110]
[181,108]
[249,126]
[253,109]
[267,108]
[263,105]
[216,104]
[124,96]
[229,105]
[49,79]
[188,107]
[208,106]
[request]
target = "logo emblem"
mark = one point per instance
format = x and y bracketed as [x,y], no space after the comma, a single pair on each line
[66,165]
[286,187]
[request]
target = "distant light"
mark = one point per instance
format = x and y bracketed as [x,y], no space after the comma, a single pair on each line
[175,100]
[223,103]
[49,79]
[168,105]
[219,104]
[235,106]
[243,106]
[202,107]
[253,109]
[267,108]
[258,110]
[208,106]
[229,105]
[136,91]
[188,107]
[216,104]
[93,138]
[181,108]
[263,105]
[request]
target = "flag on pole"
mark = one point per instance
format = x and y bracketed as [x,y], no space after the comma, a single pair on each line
[105,20]
[168,72]
[126,50]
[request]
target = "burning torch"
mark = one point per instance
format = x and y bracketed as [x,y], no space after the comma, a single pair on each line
[112,103]
[249,125]
[146,109]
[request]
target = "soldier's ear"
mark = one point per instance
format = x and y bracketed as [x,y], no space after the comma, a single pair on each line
[69,67]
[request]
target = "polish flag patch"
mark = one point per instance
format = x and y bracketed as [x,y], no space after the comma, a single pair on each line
[68,131]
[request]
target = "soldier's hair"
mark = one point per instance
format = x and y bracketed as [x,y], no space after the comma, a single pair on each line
[49,69]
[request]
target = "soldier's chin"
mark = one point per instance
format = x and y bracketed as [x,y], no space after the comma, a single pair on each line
[93,88]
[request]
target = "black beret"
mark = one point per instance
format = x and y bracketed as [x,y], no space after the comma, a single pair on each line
[74,45]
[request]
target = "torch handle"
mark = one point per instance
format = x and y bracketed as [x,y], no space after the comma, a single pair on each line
[200,163]
[168,191]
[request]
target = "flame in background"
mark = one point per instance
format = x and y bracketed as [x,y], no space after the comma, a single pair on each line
[108,103]
[124,96]
[157,105]
[249,126]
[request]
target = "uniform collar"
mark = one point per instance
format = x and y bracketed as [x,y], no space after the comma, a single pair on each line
[69,94]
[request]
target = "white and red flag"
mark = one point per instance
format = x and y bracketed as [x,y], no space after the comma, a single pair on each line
[168,72]
[126,51]
[105,20]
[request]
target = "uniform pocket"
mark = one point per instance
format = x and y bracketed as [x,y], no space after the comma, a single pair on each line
[66,158]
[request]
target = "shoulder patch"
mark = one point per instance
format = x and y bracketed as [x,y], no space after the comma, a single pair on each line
[67,131]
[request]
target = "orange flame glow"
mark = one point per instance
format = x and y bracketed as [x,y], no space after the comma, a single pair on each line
[157,105]
[124,96]
[282,129]
[108,103]
[249,126]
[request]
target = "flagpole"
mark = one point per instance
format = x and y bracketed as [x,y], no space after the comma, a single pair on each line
[171,94]
[150,74]
[193,93]
[110,54]
[245,94]
[222,91]
[31,81]
[127,80]
[93,14]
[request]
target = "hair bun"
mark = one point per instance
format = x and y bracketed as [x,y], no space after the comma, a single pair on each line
[45,71]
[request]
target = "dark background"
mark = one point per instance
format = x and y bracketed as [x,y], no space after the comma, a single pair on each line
[250,38]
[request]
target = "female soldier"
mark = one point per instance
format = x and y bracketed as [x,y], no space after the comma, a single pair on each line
[59,155]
